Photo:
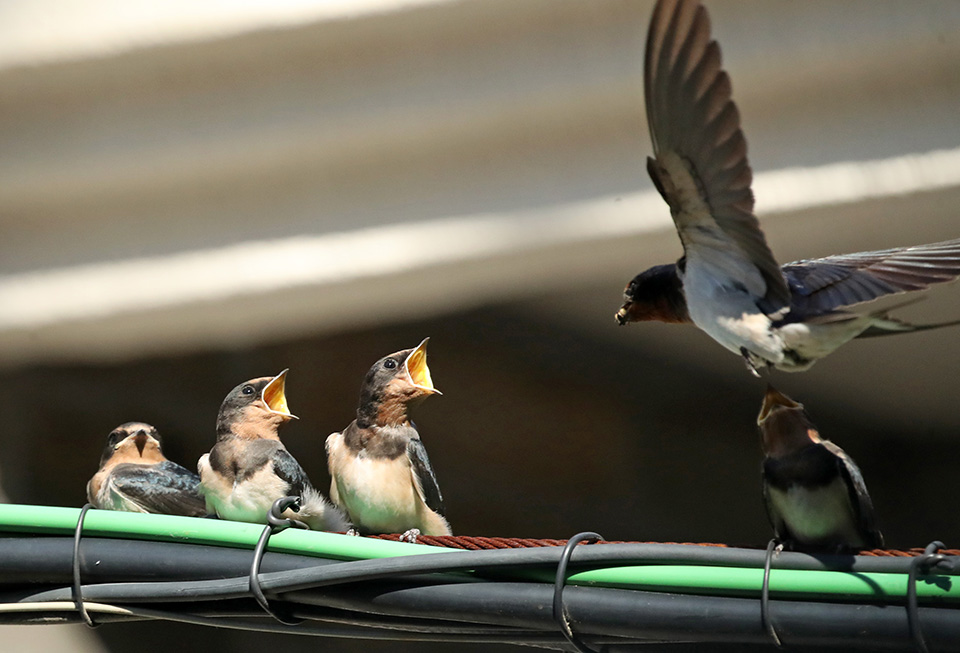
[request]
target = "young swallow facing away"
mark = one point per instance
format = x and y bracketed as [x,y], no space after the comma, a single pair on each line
[727,282]
[814,493]
[136,477]
[381,475]
[249,468]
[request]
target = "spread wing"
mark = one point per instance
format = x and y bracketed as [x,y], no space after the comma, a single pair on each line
[700,165]
[859,497]
[828,284]
[425,479]
[165,488]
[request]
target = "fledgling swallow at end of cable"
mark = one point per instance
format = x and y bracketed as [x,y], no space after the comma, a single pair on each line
[135,476]
[814,493]
[727,282]
[381,475]
[249,468]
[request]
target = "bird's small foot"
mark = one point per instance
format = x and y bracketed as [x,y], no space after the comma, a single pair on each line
[353,532]
[751,367]
[410,536]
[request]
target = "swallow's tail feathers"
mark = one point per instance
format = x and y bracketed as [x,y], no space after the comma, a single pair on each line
[319,514]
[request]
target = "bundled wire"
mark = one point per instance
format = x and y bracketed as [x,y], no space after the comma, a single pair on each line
[617,596]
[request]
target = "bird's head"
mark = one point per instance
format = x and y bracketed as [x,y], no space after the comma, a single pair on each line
[255,408]
[784,424]
[133,442]
[394,382]
[656,294]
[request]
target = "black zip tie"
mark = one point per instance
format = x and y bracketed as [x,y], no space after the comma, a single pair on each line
[922,563]
[76,593]
[559,613]
[765,596]
[276,523]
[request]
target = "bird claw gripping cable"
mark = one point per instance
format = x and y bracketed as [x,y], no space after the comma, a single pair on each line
[559,612]
[77,592]
[276,523]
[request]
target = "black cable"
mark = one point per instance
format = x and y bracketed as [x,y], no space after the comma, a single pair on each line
[765,596]
[76,589]
[921,564]
[559,613]
[276,524]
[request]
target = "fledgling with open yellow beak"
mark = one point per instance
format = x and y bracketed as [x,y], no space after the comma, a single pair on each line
[249,468]
[381,475]
[135,476]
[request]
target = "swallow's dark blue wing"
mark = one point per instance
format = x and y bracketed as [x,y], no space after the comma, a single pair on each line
[164,488]
[287,468]
[699,148]
[826,285]
[859,497]
[426,480]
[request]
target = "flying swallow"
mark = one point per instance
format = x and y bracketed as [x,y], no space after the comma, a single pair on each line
[813,491]
[381,475]
[249,468]
[727,282]
[135,476]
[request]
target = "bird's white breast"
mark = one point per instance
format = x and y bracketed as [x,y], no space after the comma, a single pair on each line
[819,515]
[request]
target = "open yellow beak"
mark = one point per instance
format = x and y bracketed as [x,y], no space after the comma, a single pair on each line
[771,400]
[417,370]
[274,397]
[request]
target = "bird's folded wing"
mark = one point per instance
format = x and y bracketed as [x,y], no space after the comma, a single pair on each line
[828,284]
[166,488]
[701,167]
[859,497]
[424,478]
[288,469]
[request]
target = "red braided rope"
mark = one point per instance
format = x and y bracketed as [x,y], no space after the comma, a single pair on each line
[476,543]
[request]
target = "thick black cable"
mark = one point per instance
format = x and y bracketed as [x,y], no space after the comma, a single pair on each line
[76,588]
[276,523]
[765,596]
[559,613]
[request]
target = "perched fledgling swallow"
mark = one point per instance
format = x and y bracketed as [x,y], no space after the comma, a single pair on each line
[727,282]
[249,468]
[135,476]
[381,475]
[813,491]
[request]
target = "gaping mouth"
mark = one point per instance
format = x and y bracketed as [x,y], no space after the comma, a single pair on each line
[140,439]
[771,400]
[417,370]
[274,397]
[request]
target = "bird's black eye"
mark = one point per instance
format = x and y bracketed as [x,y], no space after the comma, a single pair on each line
[389,363]
[248,390]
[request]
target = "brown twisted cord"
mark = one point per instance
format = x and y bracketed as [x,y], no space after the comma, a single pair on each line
[476,543]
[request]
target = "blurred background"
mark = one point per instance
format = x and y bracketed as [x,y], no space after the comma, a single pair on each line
[194,194]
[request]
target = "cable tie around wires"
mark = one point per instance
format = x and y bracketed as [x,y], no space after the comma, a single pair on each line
[276,524]
[75,590]
[765,619]
[930,558]
[559,612]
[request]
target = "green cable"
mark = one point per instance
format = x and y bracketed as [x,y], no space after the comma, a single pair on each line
[698,579]
[702,579]
[216,532]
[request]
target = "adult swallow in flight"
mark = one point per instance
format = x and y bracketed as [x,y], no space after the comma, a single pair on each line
[381,475]
[249,468]
[727,282]
[813,491]
[135,476]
